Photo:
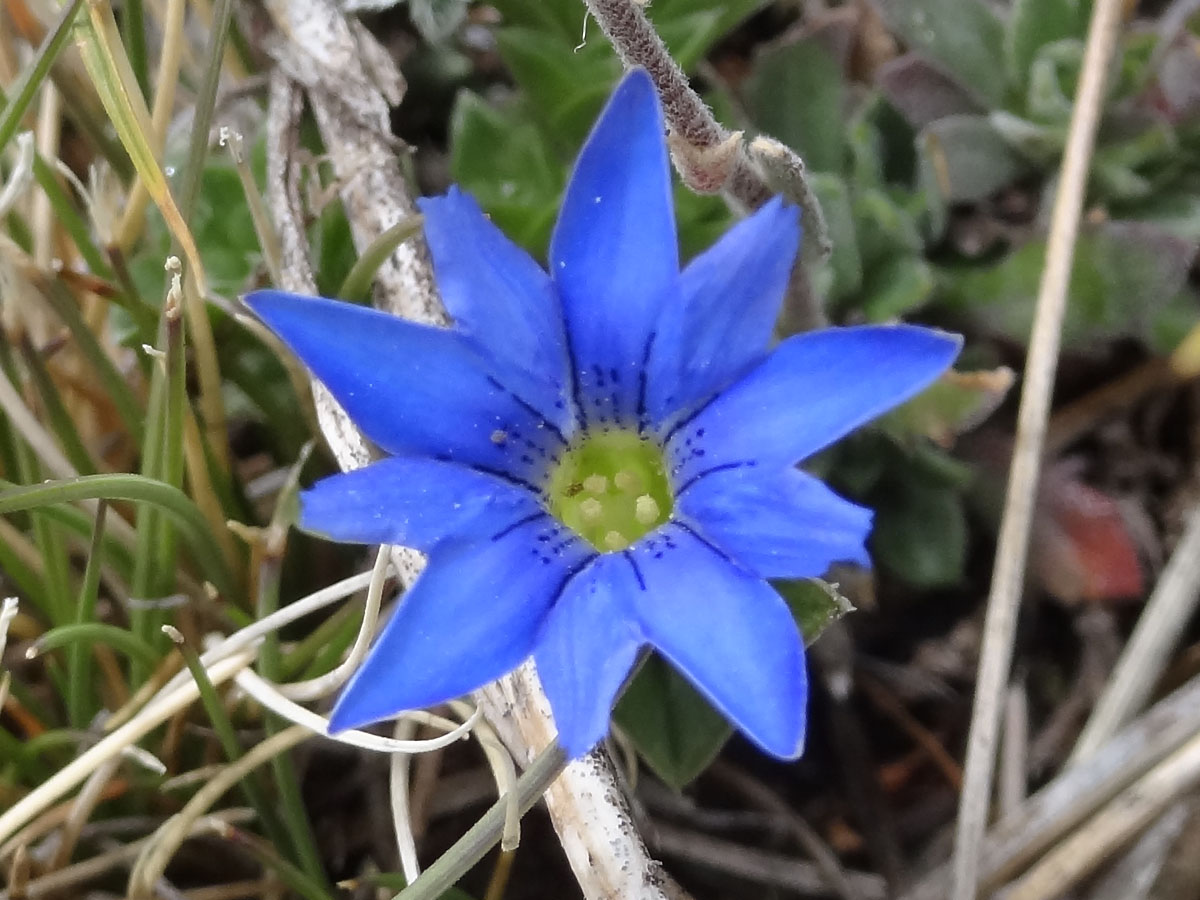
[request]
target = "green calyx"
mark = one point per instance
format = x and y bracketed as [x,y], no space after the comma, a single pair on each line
[611,488]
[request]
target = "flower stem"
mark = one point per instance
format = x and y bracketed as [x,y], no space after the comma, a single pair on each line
[625,25]
[485,834]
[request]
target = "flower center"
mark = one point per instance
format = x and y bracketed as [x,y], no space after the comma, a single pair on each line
[611,488]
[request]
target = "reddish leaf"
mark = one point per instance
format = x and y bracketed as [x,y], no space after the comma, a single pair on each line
[1081,550]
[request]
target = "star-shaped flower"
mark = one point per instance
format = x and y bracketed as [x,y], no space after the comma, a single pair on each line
[599,458]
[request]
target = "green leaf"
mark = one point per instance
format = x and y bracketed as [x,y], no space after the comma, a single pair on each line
[700,219]
[920,529]
[965,159]
[222,225]
[559,19]
[956,402]
[840,276]
[562,21]
[690,37]
[884,227]
[518,185]
[566,88]
[1053,81]
[1034,23]
[1042,144]
[964,36]
[796,93]
[895,288]
[674,728]
[1176,214]
[1126,276]
[729,12]
[815,605]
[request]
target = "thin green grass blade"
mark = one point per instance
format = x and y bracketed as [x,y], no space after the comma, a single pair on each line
[136,488]
[111,380]
[99,633]
[55,594]
[59,419]
[251,786]
[356,286]
[79,660]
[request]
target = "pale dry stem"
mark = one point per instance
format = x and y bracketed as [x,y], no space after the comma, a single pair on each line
[1013,544]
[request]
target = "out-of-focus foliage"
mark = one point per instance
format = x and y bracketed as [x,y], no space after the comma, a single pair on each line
[563,77]
[932,132]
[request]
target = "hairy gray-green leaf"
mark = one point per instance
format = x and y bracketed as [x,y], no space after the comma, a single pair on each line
[840,276]
[920,529]
[896,287]
[796,94]
[965,158]
[1034,23]
[674,728]
[964,36]
[1126,276]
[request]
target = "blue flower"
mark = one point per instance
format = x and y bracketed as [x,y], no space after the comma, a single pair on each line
[600,458]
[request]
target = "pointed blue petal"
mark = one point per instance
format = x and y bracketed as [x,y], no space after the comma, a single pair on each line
[813,389]
[414,502]
[613,255]
[585,652]
[728,632]
[472,616]
[494,290]
[778,524]
[417,390]
[731,298]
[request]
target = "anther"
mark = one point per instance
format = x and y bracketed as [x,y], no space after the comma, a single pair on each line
[595,484]
[591,509]
[645,509]
[614,540]
[625,481]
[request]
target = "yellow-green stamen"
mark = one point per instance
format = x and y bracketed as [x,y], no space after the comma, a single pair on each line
[611,488]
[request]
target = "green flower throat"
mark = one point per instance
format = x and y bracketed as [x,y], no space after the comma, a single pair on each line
[611,488]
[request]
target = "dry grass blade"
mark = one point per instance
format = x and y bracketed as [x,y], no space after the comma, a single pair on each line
[59,883]
[99,43]
[174,832]
[1160,627]
[803,878]
[1095,843]
[1013,545]
[154,714]
[1076,794]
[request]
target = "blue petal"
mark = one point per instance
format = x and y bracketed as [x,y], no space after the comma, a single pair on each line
[728,632]
[585,652]
[613,255]
[778,524]
[418,390]
[413,501]
[731,298]
[813,389]
[472,616]
[496,293]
